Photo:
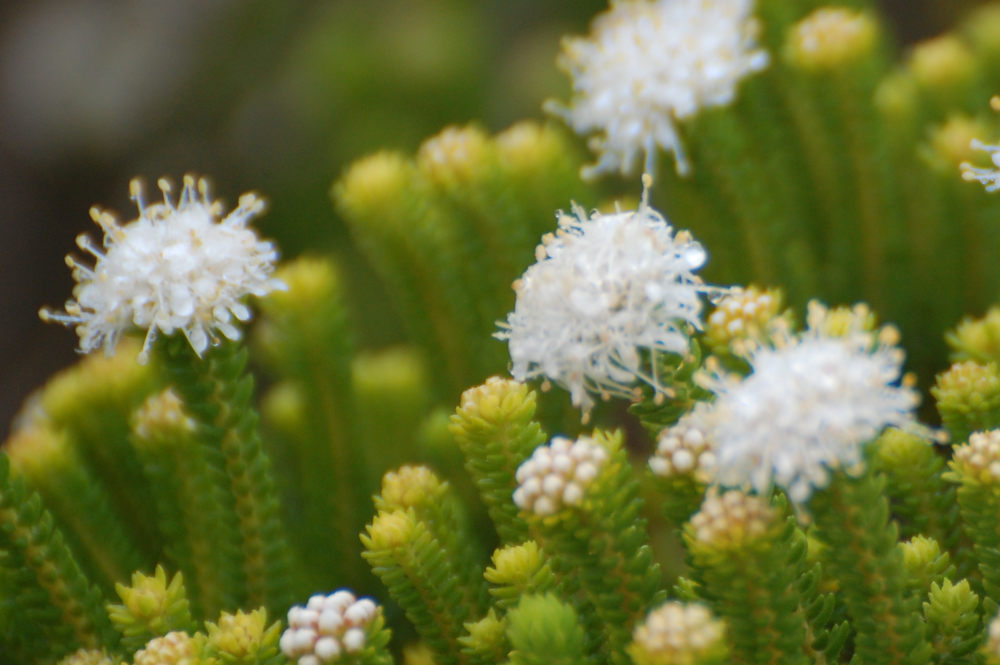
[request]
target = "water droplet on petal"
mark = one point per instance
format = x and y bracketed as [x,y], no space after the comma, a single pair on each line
[694,255]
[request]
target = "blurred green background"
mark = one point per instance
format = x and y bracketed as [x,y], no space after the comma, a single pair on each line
[275,96]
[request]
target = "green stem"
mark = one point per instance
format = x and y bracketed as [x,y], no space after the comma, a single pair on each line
[192,506]
[217,392]
[852,517]
[65,610]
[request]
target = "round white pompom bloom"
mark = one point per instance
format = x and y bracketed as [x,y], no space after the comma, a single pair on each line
[605,289]
[808,406]
[177,267]
[648,64]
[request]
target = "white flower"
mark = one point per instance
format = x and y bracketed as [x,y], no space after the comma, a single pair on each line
[177,267]
[604,289]
[648,64]
[810,404]
[988,177]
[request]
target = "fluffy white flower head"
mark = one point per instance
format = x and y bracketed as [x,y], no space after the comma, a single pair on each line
[810,404]
[179,266]
[990,178]
[604,289]
[648,64]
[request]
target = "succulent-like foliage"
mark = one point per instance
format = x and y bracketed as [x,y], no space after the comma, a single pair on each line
[495,429]
[55,608]
[827,629]
[968,398]
[925,564]
[450,230]
[191,503]
[85,513]
[151,607]
[976,339]
[244,638]
[543,629]
[216,392]
[921,501]
[979,500]
[434,503]
[952,615]
[519,570]
[305,337]
[485,641]
[422,577]
[91,404]
[595,534]
[746,557]
[852,517]
[809,516]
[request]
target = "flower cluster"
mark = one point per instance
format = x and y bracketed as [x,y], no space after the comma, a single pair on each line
[648,64]
[990,650]
[979,459]
[830,37]
[731,519]
[744,319]
[178,266]
[809,404]
[605,289]
[174,647]
[678,633]
[163,411]
[684,448]
[327,627]
[988,177]
[556,475]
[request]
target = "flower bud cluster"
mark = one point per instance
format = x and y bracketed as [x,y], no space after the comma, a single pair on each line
[557,475]
[87,657]
[991,649]
[174,647]
[831,37]
[677,633]
[741,320]
[163,412]
[327,627]
[979,459]
[731,519]
[684,449]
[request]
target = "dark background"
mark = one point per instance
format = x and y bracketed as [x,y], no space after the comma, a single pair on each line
[273,96]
